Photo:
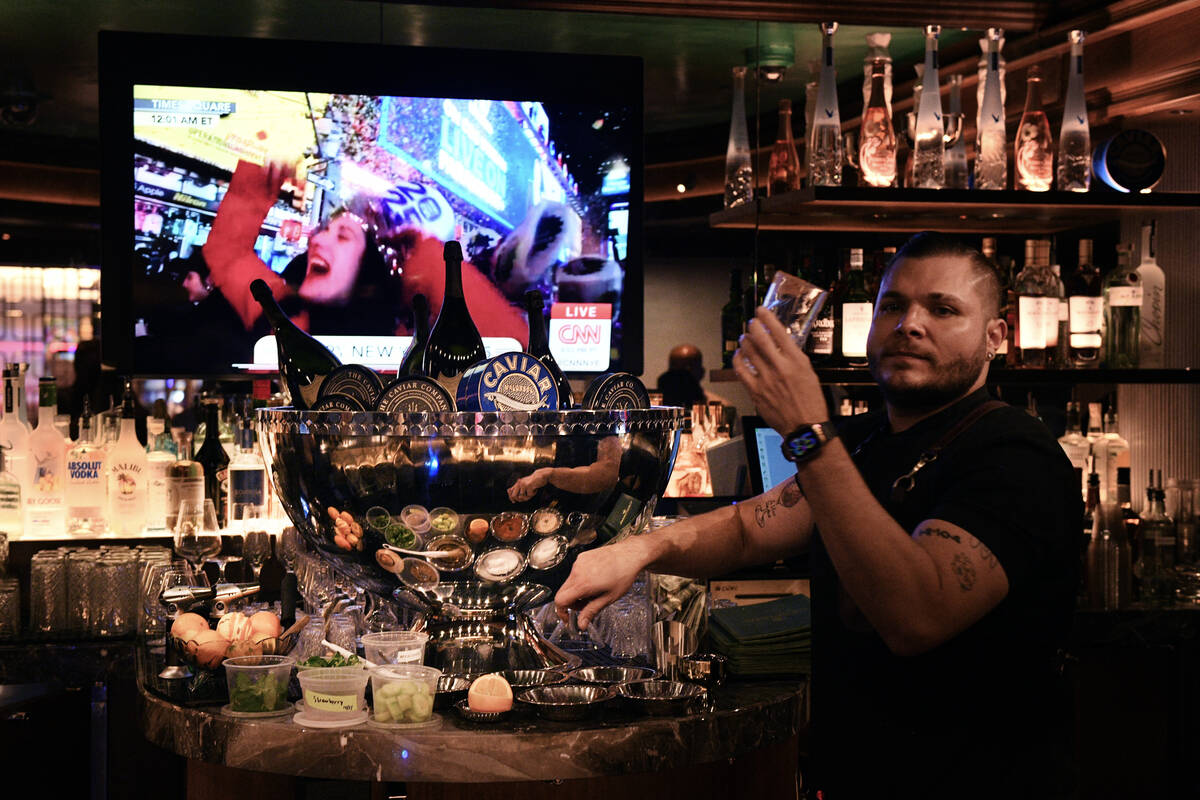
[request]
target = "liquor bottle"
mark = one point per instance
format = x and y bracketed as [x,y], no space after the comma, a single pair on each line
[303,361]
[1154,302]
[991,156]
[732,319]
[783,171]
[167,440]
[877,50]
[158,461]
[1033,150]
[14,430]
[127,468]
[1085,308]
[929,144]
[1074,139]
[739,176]
[539,347]
[823,337]
[1059,321]
[1034,304]
[87,484]
[1156,566]
[825,152]
[411,364]
[185,480]
[1122,313]
[1096,560]
[45,505]
[854,314]
[1073,443]
[877,140]
[982,68]
[454,343]
[1185,523]
[956,156]
[1116,456]
[247,477]
[214,461]
[12,511]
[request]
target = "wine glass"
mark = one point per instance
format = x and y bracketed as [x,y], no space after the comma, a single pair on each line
[154,574]
[290,547]
[256,545]
[195,539]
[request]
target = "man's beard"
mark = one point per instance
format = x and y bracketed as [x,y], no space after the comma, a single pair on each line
[951,381]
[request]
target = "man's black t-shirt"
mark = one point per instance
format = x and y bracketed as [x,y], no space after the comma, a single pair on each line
[981,715]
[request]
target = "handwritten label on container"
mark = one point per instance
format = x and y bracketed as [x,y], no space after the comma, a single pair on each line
[331,702]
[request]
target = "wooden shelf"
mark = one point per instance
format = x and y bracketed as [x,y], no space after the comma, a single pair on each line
[958,210]
[851,376]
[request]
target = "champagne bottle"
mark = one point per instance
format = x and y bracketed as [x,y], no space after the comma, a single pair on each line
[303,361]
[877,141]
[539,347]
[783,172]
[1033,154]
[454,343]
[214,460]
[411,365]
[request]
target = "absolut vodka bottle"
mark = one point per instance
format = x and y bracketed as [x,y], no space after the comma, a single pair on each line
[739,176]
[825,154]
[991,156]
[1074,140]
[929,144]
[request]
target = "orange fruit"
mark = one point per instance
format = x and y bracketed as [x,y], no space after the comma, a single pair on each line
[490,693]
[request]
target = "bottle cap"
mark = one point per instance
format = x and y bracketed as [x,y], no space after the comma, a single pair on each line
[354,380]
[413,394]
[507,382]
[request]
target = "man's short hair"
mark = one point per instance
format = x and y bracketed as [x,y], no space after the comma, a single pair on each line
[929,244]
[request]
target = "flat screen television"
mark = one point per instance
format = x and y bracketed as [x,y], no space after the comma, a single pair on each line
[337,171]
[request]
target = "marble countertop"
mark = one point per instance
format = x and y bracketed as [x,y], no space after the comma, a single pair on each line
[746,716]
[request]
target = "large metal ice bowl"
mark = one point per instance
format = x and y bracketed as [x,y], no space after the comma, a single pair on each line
[594,475]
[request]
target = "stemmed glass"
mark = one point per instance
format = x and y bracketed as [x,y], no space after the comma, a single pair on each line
[290,547]
[154,575]
[196,538]
[256,544]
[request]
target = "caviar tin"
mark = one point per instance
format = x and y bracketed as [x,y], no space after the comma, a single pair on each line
[507,382]
[338,402]
[412,394]
[353,380]
[616,390]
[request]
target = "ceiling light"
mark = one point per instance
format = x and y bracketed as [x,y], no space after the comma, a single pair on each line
[771,60]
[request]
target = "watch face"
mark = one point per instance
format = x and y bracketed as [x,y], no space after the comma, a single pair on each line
[800,445]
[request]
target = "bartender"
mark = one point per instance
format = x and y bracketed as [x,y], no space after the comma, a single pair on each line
[941,533]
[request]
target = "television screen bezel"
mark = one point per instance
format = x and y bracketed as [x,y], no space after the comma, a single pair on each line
[127,59]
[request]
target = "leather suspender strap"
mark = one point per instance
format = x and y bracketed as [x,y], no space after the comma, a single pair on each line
[904,484]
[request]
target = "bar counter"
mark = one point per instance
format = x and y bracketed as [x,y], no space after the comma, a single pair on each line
[753,729]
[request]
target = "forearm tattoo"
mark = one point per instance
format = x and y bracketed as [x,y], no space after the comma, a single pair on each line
[791,494]
[964,570]
[765,511]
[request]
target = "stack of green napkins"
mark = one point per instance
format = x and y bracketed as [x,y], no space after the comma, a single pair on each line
[772,638]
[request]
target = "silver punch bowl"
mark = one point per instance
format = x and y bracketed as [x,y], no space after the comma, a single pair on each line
[512,498]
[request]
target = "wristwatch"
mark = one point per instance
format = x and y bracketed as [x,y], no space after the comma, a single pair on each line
[804,442]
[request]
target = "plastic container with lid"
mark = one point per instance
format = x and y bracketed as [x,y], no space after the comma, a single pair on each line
[334,693]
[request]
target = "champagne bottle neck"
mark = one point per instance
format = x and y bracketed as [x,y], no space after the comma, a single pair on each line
[454,285]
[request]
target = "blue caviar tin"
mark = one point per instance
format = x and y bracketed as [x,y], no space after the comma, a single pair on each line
[507,382]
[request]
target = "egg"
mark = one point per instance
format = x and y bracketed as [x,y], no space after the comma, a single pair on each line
[209,649]
[186,626]
[264,625]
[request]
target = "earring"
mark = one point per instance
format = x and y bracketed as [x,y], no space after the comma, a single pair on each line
[990,355]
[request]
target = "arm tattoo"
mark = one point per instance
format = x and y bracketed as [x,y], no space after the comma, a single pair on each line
[764,511]
[791,494]
[964,570]
[943,533]
[988,556]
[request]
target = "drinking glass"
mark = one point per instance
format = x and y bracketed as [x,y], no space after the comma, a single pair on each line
[290,546]
[231,552]
[256,549]
[195,539]
[156,576]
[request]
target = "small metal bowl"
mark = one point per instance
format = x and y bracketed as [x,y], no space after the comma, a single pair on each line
[566,703]
[663,698]
[450,689]
[529,678]
[465,712]
[608,676]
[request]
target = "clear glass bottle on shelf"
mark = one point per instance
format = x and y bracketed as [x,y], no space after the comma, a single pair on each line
[247,480]
[783,171]
[1075,445]
[87,487]
[1154,302]
[825,149]
[1122,313]
[956,155]
[991,144]
[12,510]
[1037,308]
[127,470]
[1074,138]
[159,459]
[185,480]
[877,50]
[1033,150]
[1155,569]
[877,142]
[14,428]
[1085,306]
[929,144]
[1118,456]
[997,35]
[46,511]
[739,175]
